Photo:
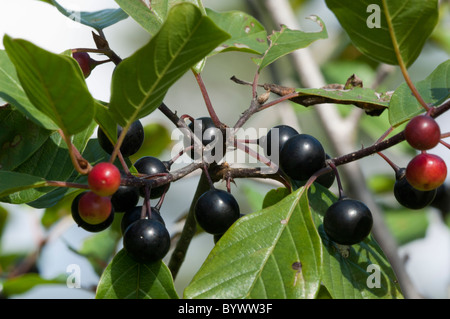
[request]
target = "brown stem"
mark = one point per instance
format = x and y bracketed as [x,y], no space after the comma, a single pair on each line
[80,164]
[210,108]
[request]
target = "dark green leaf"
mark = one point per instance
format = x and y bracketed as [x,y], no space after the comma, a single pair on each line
[366,23]
[126,279]
[141,81]
[19,138]
[54,84]
[11,182]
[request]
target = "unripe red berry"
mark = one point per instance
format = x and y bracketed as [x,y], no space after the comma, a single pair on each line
[104,179]
[422,132]
[426,172]
[94,209]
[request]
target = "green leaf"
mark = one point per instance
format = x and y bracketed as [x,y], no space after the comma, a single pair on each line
[50,162]
[19,138]
[23,283]
[247,34]
[259,256]
[367,24]
[150,19]
[11,182]
[434,89]
[97,19]
[11,91]
[286,41]
[347,277]
[141,81]
[53,83]
[126,279]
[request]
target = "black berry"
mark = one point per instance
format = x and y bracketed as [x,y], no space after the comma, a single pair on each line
[131,144]
[146,240]
[207,132]
[216,210]
[410,197]
[125,198]
[149,165]
[301,156]
[282,134]
[134,214]
[347,222]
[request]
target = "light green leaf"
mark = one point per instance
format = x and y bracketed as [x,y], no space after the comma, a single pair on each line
[247,34]
[286,41]
[141,81]
[53,83]
[97,19]
[126,279]
[260,256]
[11,91]
[150,19]
[435,89]
[366,23]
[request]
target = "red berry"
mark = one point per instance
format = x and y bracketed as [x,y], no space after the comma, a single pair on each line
[104,179]
[422,132]
[94,209]
[426,172]
[84,60]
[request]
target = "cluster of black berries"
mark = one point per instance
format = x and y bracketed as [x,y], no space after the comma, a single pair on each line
[347,221]
[145,237]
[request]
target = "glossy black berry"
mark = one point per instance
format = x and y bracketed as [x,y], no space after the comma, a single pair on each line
[216,210]
[301,156]
[347,222]
[125,198]
[277,136]
[146,240]
[131,144]
[149,165]
[134,214]
[83,224]
[410,197]
[207,132]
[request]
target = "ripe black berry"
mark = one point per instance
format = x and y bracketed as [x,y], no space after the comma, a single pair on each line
[146,240]
[149,165]
[134,214]
[207,132]
[125,198]
[347,221]
[410,197]
[301,156]
[282,133]
[83,224]
[216,210]
[131,144]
